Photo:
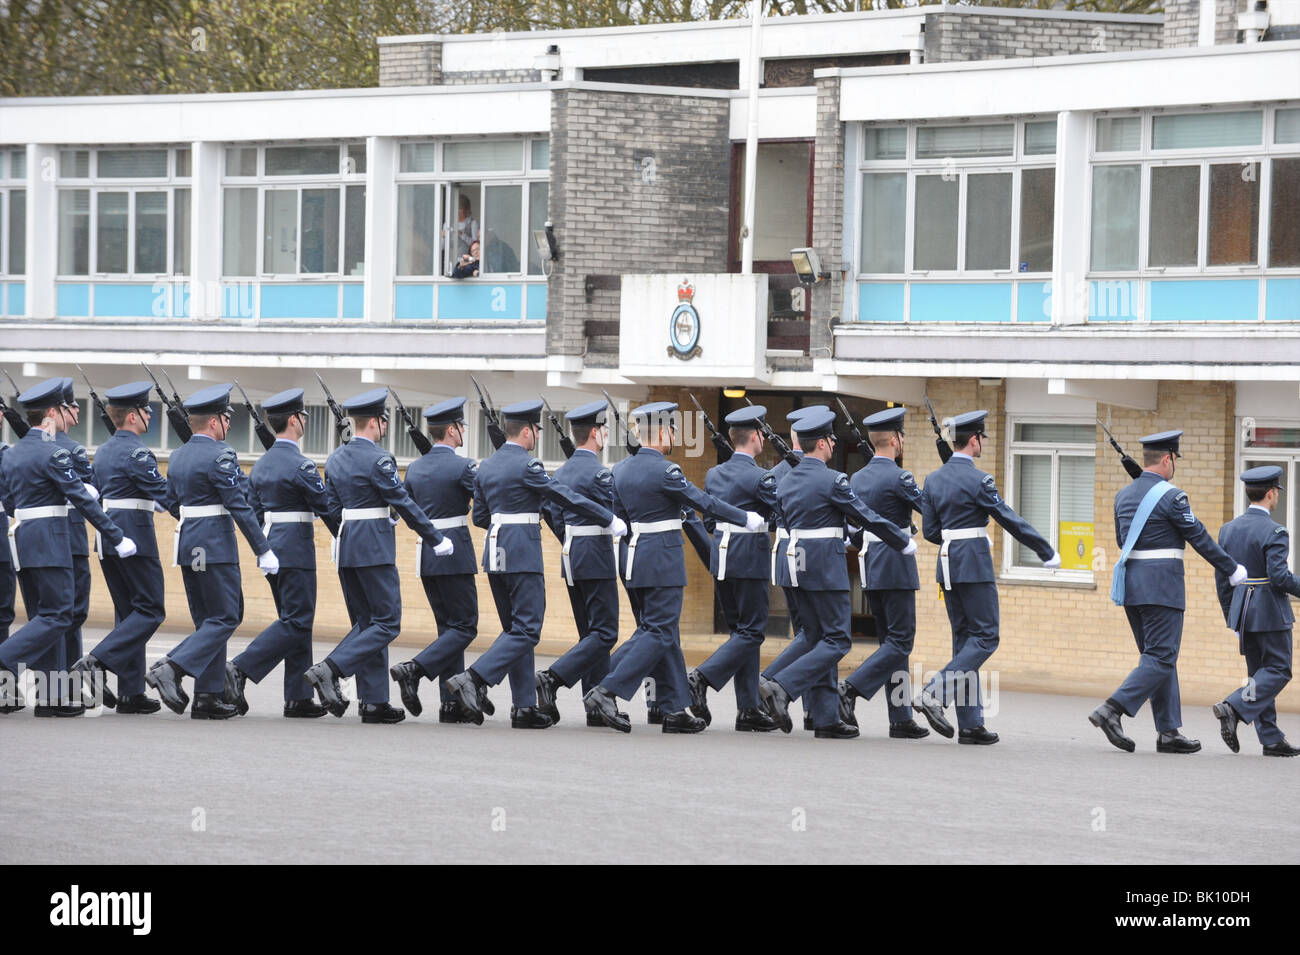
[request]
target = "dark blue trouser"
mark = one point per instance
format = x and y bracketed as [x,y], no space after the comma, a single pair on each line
[136,586]
[653,651]
[798,644]
[826,615]
[374,600]
[595,611]
[744,607]
[895,614]
[1268,661]
[1158,632]
[216,601]
[454,601]
[48,595]
[8,592]
[289,637]
[521,605]
[973,615]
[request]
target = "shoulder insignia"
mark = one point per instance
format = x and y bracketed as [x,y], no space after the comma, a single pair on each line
[604,476]
[472,467]
[142,455]
[79,452]
[535,465]
[842,480]
[988,479]
[387,465]
[674,471]
[1279,529]
[906,477]
[228,459]
[61,458]
[307,466]
[768,480]
[1182,504]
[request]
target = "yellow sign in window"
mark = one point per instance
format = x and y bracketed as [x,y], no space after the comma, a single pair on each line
[1076,545]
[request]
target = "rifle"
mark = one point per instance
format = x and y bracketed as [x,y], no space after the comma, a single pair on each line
[263,432]
[566,443]
[1132,467]
[940,442]
[864,443]
[630,440]
[99,405]
[725,450]
[776,440]
[17,423]
[175,407]
[342,426]
[494,429]
[418,437]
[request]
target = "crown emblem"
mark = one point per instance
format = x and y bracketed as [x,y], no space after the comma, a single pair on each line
[685,291]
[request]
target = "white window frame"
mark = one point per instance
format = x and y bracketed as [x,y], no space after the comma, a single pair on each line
[1291,457]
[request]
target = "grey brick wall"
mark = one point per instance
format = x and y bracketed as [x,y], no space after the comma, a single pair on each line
[828,215]
[410,64]
[471,77]
[954,37]
[1182,21]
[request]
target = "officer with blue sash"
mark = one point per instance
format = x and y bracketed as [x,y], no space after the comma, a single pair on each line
[815,503]
[1153,523]
[1260,612]
[131,490]
[889,580]
[650,492]
[42,480]
[959,499]
[508,494]
[362,484]
[442,483]
[588,563]
[288,495]
[205,480]
[740,565]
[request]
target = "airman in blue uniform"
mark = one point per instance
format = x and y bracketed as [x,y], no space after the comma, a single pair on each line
[816,502]
[288,495]
[1259,612]
[8,579]
[889,580]
[958,502]
[1153,524]
[509,491]
[362,484]
[442,483]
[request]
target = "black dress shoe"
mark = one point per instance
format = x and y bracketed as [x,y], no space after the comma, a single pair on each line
[808,724]
[463,687]
[139,703]
[60,709]
[548,684]
[593,719]
[235,680]
[840,730]
[326,684]
[453,712]
[94,682]
[1106,719]
[907,729]
[529,718]
[162,677]
[307,709]
[407,677]
[1281,748]
[755,721]
[484,703]
[848,703]
[932,710]
[1176,742]
[1228,720]
[11,698]
[381,713]
[699,696]
[654,715]
[977,736]
[777,703]
[212,706]
[682,722]
[604,705]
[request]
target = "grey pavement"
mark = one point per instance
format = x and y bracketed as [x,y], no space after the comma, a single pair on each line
[166,789]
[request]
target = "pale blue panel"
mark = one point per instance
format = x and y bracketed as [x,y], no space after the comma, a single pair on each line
[965,302]
[1208,300]
[239,300]
[131,301]
[1114,300]
[880,302]
[181,300]
[1281,300]
[17,298]
[354,301]
[413,301]
[536,302]
[466,302]
[72,301]
[1034,302]
[300,301]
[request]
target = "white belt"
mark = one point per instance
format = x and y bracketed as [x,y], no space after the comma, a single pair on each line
[497,520]
[961,533]
[188,511]
[31,514]
[355,514]
[285,517]
[806,533]
[584,530]
[727,531]
[868,539]
[120,504]
[442,524]
[1167,553]
[781,535]
[649,527]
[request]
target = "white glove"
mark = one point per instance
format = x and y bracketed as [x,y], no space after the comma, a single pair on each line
[617,527]
[268,563]
[158,508]
[1053,562]
[1238,575]
[126,548]
[755,521]
[91,490]
[444,547]
[848,541]
[910,549]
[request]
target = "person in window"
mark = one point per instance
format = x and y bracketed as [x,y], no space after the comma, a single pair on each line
[467,267]
[466,226]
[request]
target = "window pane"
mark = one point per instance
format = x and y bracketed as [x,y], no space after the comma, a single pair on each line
[781,206]
[936,223]
[131,163]
[485,155]
[74,163]
[302,160]
[417,157]
[320,423]
[182,163]
[1115,217]
[74,231]
[403,446]
[356,161]
[18,164]
[1077,473]
[1175,215]
[988,221]
[157,425]
[889,142]
[1193,130]
[1052,433]
[151,232]
[884,221]
[540,161]
[939,142]
[1040,138]
[320,230]
[1119,134]
[1286,128]
[1037,212]
[181,232]
[551,450]
[1033,499]
[1284,224]
[465,199]
[1275,438]
[239,238]
[17,231]
[537,194]
[241,161]
[111,215]
[501,227]
[354,238]
[416,228]
[241,431]
[1234,214]
[280,232]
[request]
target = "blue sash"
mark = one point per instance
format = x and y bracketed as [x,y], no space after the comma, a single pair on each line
[1144,510]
